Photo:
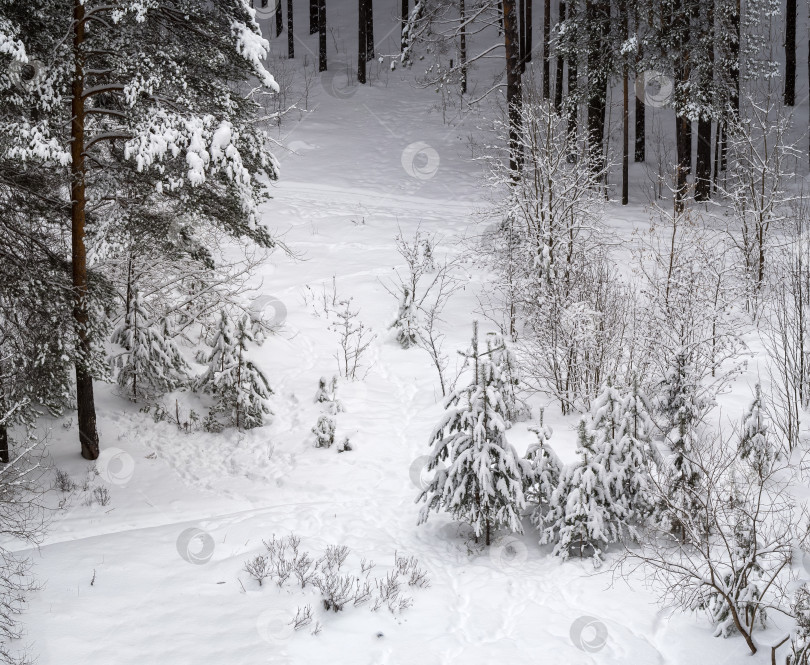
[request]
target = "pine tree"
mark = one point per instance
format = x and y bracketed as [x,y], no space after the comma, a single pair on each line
[150,364]
[631,487]
[506,361]
[754,446]
[96,124]
[239,388]
[543,473]
[581,518]
[483,481]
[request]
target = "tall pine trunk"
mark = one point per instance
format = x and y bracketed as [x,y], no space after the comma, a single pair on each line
[85,401]
[790,53]
[558,72]
[521,11]
[361,41]
[639,153]
[462,46]
[321,35]
[290,34]
[546,49]
[703,163]
[625,115]
[314,13]
[597,15]
[683,124]
[527,34]
[513,82]
[573,93]
[4,451]
[279,19]
[404,18]
[369,30]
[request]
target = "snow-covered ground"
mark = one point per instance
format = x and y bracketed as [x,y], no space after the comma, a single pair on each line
[118,586]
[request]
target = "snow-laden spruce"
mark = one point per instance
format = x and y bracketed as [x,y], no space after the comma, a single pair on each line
[150,364]
[543,474]
[755,446]
[482,480]
[239,387]
[138,118]
[604,496]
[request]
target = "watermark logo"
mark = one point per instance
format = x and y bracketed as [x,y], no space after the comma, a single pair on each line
[588,634]
[420,161]
[654,88]
[274,626]
[195,546]
[508,553]
[270,310]
[115,466]
[421,476]
[265,9]
[25,75]
[337,81]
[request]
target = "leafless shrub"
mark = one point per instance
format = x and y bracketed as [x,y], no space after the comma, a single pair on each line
[101,495]
[303,617]
[63,482]
[258,568]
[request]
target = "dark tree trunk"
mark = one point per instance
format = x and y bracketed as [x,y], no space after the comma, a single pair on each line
[521,10]
[4,452]
[279,19]
[462,46]
[717,142]
[361,41]
[639,154]
[369,30]
[558,70]
[683,125]
[85,402]
[513,83]
[546,49]
[703,163]
[790,53]
[573,93]
[321,35]
[290,33]
[527,35]
[597,15]
[625,115]
[404,16]
[313,16]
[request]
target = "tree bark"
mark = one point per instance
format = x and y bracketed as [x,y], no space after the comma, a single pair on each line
[290,37]
[462,46]
[639,153]
[527,34]
[4,452]
[85,402]
[625,117]
[369,30]
[546,49]
[279,19]
[572,94]
[683,124]
[321,35]
[404,11]
[513,83]
[521,11]
[314,13]
[703,163]
[558,69]
[361,41]
[790,53]
[597,14]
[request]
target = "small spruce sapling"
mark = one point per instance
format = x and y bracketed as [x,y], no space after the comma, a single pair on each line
[483,481]
[407,322]
[755,446]
[543,473]
[324,432]
[150,364]
[239,387]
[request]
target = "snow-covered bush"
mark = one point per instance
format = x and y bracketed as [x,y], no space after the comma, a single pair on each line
[327,395]
[543,474]
[324,431]
[755,445]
